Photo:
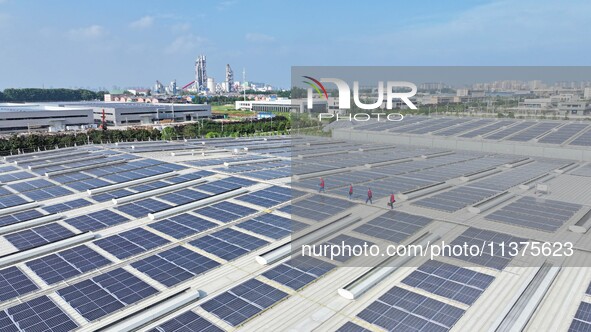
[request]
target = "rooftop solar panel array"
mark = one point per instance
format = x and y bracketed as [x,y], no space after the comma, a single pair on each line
[394,226]
[243,301]
[510,131]
[130,243]
[38,236]
[402,310]
[352,327]
[39,314]
[188,321]
[174,265]
[533,132]
[13,283]
[272,226]
[582,140]
[96,220]
[319,207]
[142,208]
[267,197]
[541,214]
[66,264]
[298,272]
[19,217]
[582,320]
[228,243]
[453,282]
[463,127]
[183,225]
[456,198]
[563,133]
[66,206]
[225,211]
[106,293]
[10,177]
[487,129]
[497,258]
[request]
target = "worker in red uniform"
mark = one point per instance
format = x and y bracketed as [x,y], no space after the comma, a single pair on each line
[321,189]
[369,196]
[350,191]
[392,201]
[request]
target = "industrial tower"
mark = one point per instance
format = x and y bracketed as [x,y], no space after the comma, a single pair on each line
[200,73]
[229,79]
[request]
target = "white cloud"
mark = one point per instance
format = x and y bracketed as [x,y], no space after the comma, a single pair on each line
[185,43]
[181,27]
[143,23]
[259,38]
[223,5]
[91,32]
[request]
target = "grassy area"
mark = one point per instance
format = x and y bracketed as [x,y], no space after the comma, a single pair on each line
[230,111]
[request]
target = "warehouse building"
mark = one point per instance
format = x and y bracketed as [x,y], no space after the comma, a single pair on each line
[33,117]
[122,114]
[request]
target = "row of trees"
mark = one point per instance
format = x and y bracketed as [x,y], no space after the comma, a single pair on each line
[43,141]
[42,95]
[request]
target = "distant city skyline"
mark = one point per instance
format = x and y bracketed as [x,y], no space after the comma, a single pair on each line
[133,44]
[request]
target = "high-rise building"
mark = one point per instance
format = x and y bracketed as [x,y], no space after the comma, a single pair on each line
[229,79]
[200,73]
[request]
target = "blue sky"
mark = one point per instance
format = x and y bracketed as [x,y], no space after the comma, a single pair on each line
[129,43]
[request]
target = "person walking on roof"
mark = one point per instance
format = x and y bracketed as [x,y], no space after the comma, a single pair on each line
[321,189]
[392,201]
[350,191]
[369,196]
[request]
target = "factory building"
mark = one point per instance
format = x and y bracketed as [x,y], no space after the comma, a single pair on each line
[282,105]
[34,117]
[122,114]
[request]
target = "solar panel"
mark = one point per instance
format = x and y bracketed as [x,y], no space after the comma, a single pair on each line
[19,216]
[531,212]
[142,207]
[582,320]
[183,196]
[510,131]
[189,177]
[225,211]
[11,200]
[96,220]
[130,243]
[267,197]
[583,139]
[67,264]
[299,272]
[183,225]
[70,177]
[456,198]
[188,321]
[228,243]
[5,178]
[25,186]
[402,310]
[38,236]
[174,265]
[106,293]
[394,226]
[218,187]
[498,258]
[109,195]
[272,226]
[47,193]
[487,129]
[319,207]
[86,184]
[13,283]
[352,327]
[243,301]
[66,206]
[344,240]
[563,133]
[39,314]
[450,281]
[533,132]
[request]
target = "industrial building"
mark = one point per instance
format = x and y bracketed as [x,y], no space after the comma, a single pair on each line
[123,114]
[282,105]
[202,235]
[34,117]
